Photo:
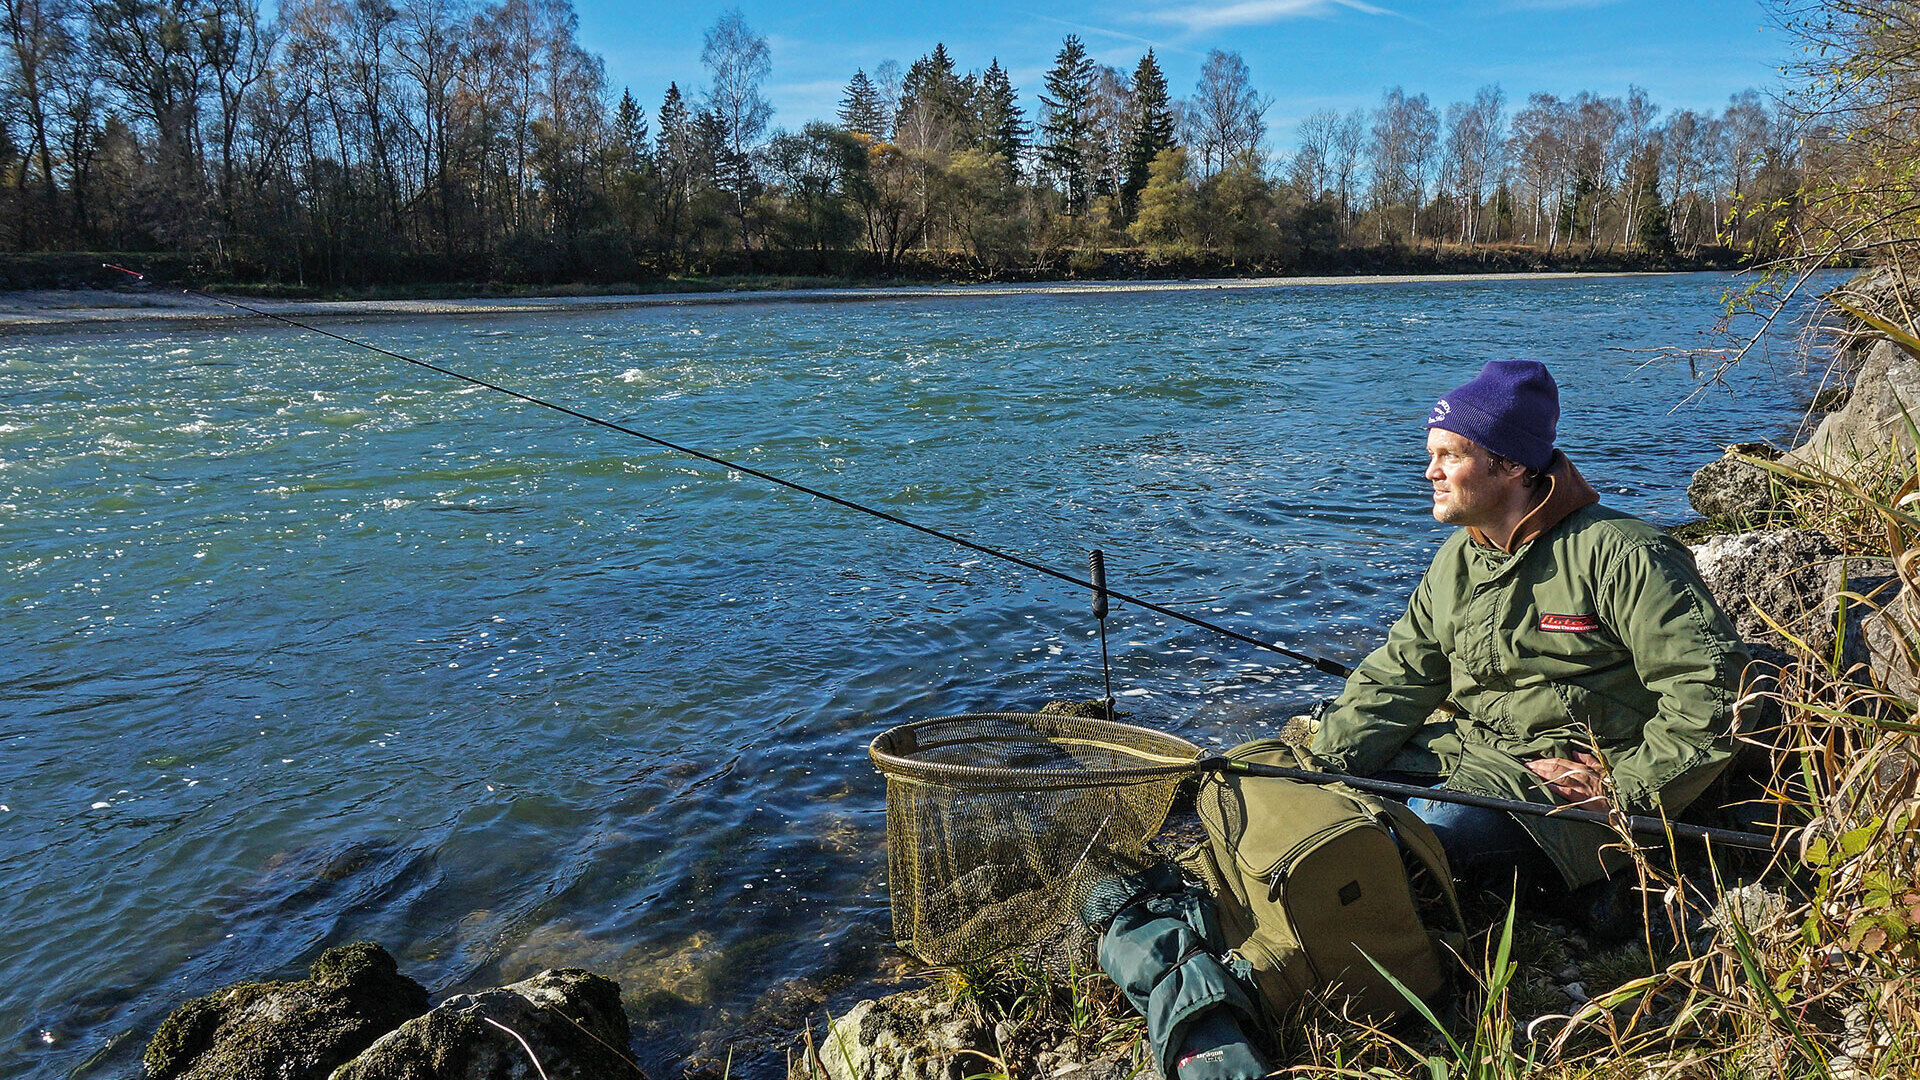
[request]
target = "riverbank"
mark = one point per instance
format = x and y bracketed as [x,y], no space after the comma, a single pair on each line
[41,310]
[774,270]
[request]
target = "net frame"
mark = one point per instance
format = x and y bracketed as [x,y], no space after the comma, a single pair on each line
[998,823]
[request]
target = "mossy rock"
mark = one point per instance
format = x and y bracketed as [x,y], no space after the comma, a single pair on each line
[563,1024]
[1096,709]
[288,1030]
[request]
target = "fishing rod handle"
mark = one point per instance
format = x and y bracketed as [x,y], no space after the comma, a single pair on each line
[1643,826]
[1097,573]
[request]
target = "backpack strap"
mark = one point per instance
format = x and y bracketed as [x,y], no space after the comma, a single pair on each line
[1416,837]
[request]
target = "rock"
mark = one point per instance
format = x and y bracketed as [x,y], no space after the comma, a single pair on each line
[1576,992]
[1794,576]
[925,1035]
[1094,709]
[288,1030]
[916,1035]
[568,1020]
[1871,422]
[1755,907]
[1892,637]
[1733,490]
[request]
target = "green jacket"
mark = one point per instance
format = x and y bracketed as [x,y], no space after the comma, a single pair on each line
[1595,633]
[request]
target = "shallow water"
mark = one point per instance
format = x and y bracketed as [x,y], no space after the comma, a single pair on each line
[304,646]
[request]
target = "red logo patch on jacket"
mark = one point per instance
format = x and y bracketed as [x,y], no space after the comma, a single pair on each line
[1569,624]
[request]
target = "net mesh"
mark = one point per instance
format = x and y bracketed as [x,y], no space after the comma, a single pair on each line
[997,823]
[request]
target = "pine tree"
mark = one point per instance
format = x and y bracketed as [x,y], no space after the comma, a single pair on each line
[671,148]
[630,131]
[932,102]
[860,108]
[1150,127]
[630,174]
[673,161]
[1067,131]
[1654,230]
[966,112]
[1000,122]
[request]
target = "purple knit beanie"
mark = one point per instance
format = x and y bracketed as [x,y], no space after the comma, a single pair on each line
[1512,408]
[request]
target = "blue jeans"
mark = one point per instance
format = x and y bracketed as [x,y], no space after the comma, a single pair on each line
[1480,843]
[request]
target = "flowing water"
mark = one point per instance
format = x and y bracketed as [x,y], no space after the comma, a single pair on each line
[303,646]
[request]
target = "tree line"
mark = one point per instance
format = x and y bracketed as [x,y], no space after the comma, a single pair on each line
[355,141]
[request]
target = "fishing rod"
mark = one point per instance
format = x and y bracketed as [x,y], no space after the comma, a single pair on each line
[1319,663]
[1642,826]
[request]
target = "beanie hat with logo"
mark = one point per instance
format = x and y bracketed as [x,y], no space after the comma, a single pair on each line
[1512,408]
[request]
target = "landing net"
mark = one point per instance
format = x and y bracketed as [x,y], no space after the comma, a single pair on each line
[997,823]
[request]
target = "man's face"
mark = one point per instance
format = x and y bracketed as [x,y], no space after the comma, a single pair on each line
[1469,486]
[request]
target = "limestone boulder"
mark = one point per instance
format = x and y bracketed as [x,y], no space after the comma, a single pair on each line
[1734,490]
[1792,577]
[563,1024]
[915,1035]
[288,1030]
[1893,643]
[926,1035]
[1872,421]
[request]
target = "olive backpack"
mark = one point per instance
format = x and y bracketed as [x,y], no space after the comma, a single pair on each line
[1313,881]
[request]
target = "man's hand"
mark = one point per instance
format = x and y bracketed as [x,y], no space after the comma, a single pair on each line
[1578,780]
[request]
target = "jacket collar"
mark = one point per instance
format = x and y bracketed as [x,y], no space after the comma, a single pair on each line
[1567,491]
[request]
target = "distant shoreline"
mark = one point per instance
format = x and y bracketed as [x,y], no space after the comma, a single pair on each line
[52,310]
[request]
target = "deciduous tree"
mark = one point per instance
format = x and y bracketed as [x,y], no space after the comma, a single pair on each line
[1168,221]
[740,61]
[1229,115]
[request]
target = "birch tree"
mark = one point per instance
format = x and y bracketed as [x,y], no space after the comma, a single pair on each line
[740,62]
[1228,114]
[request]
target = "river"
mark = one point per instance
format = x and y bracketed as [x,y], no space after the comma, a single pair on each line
[304,646]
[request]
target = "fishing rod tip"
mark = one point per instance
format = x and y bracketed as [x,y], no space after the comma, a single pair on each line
[124,270]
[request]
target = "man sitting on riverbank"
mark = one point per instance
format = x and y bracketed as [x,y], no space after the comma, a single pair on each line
[1582,660]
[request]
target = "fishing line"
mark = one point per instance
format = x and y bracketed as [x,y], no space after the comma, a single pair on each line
[1319,663]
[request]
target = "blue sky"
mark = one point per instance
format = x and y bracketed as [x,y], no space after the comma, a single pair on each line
[1305,54]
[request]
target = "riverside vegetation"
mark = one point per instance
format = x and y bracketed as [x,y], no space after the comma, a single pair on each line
[419,143]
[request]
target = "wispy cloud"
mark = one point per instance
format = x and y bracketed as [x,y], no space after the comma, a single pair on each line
[1105,32]
[1198,18]
[1556,5]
